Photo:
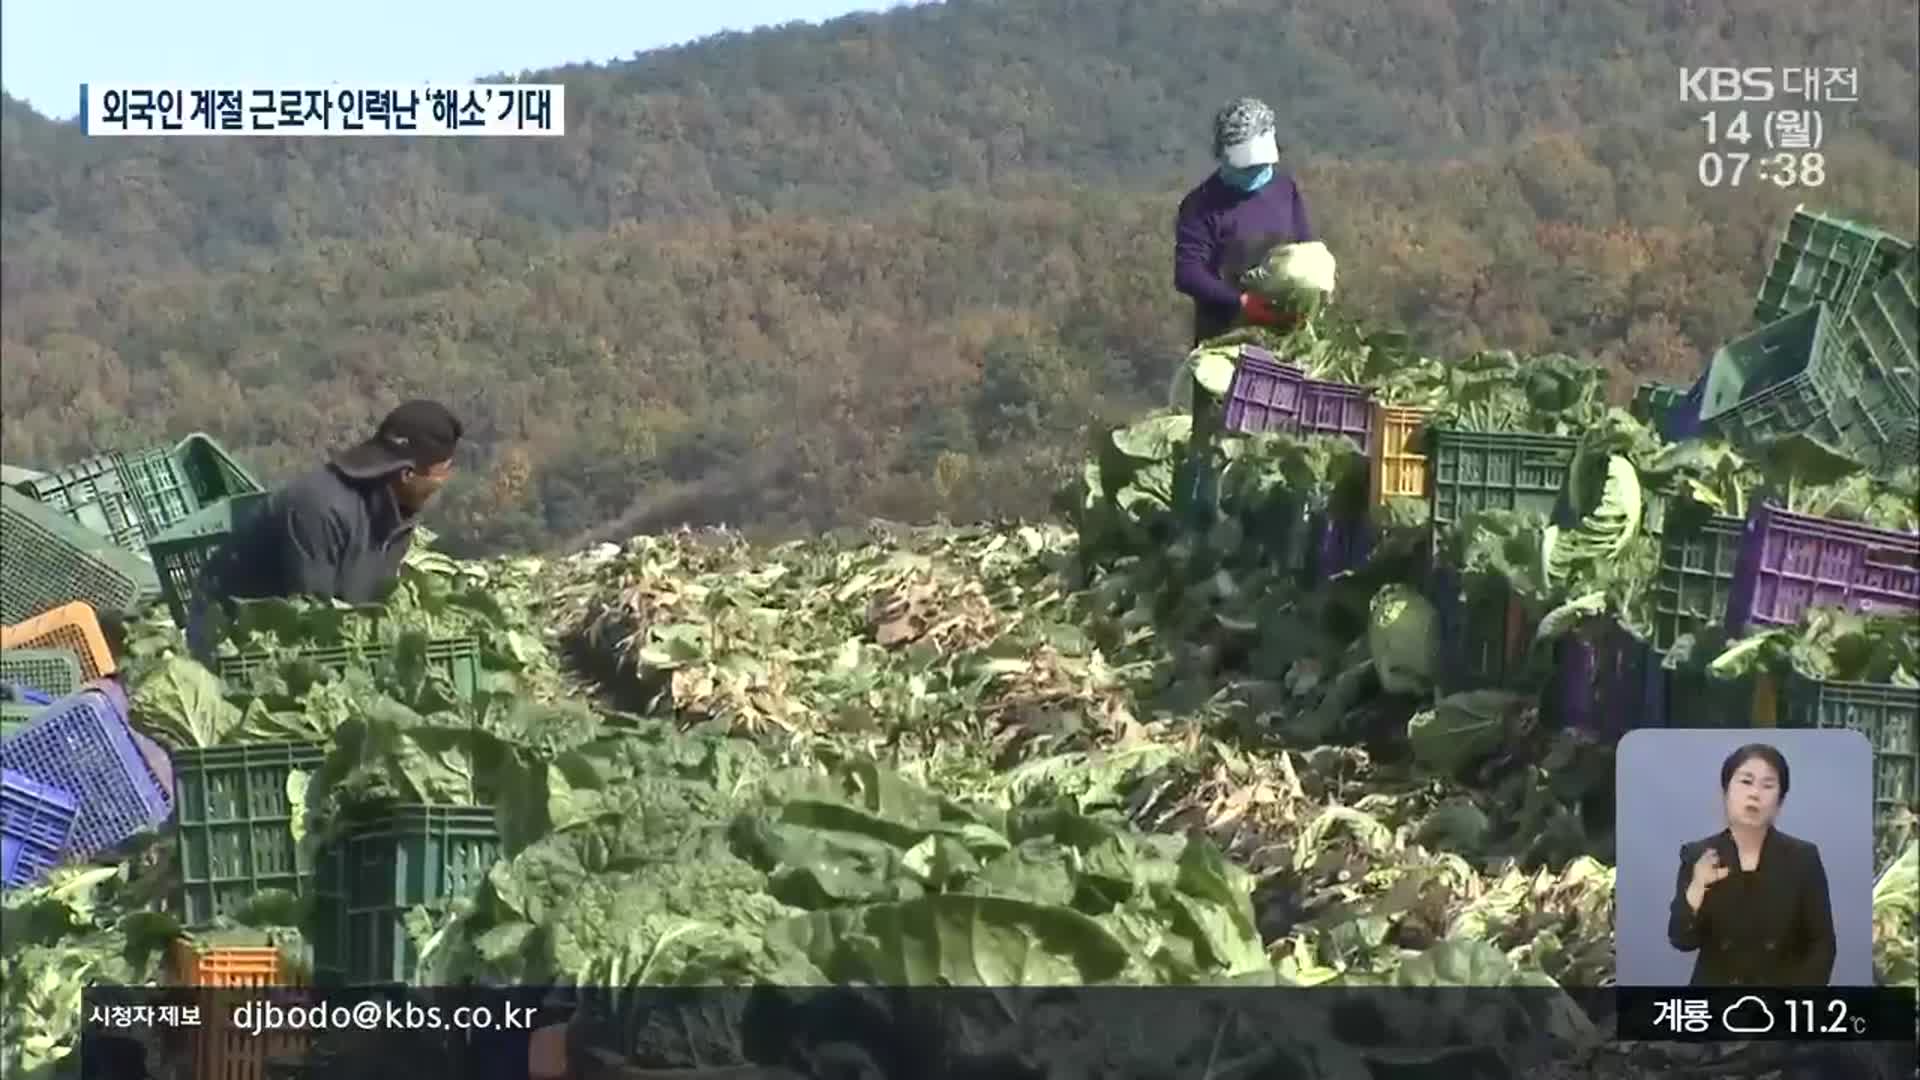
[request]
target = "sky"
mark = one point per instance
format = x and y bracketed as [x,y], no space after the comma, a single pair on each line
[49,47]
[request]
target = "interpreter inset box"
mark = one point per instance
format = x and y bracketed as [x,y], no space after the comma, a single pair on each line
[1745,858]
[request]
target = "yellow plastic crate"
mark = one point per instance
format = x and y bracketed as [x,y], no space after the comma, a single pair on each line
[1397,470]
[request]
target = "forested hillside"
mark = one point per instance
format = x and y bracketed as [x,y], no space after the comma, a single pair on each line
[894,264]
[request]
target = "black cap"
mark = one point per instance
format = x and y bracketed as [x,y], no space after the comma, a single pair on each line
[419,434]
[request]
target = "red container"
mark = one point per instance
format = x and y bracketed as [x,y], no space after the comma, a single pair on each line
[1337,408]
[1264,395]
[1790,563]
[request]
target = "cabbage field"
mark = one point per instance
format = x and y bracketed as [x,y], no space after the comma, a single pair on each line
[1159,741]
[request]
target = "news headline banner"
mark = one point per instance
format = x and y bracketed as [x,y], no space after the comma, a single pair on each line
[496,110]
[937,1034]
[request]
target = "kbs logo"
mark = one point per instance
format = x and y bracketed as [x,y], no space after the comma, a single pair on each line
[1726,84]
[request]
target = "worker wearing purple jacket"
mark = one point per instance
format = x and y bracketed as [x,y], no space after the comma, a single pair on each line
[1237,215]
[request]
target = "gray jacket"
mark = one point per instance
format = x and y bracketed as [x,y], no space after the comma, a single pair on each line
[324,536]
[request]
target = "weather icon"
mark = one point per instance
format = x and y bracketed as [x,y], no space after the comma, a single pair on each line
[1741,1020]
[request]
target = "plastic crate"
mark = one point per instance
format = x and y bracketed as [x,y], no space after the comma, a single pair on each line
[36,820]
[1491,470]
[1336,408]
[219,1050]
[458,658]
[1485,631]
[54,672]
[1887,715]
[235,825]
[132,497]
[1652,401]
[72,627]
[1775,381]
[47,559]
[183,550]
[1264,394]
[1399,468]
[377,870]
[1790,563]
[1608,682]
[1697,699]
[1335,545]
[82,744]
[93,493]
[1879,336]
[1824,259]
[1699,553]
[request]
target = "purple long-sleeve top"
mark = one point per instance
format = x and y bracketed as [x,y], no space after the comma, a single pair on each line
[1219,225]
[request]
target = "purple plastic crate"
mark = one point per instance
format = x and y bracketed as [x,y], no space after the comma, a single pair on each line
[1337,408]
[35,821]
[1264,394]
[1608,682]
[82,744]
[1339,544]
[1790,563]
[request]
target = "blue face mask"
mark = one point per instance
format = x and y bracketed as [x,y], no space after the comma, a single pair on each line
[1246,179]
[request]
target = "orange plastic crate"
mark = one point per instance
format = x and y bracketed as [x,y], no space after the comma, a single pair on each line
[221,1052]
[71,626]
[1397,471]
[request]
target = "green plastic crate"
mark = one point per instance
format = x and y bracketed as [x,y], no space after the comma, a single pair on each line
[1783,380]
[56,672]
[1878,337]
[1652,400]
[1494,470]
[235,825]
[182,551]
[1887,715]
[380,868]
[1824,259]
[132,497]
[458,658]
[94,494]
[47,559]
[1698,551]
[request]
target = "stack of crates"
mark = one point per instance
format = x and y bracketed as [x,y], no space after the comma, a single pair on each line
[1823,259]
[381,865]
[48,657]
[47,559]
[235,825]
[1877,337]
[132,497]
[120,780]
[1835,300]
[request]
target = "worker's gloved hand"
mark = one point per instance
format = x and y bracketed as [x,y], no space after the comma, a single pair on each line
[1258,312]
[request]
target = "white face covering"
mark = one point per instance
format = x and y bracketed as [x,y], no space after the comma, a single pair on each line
[1262,149]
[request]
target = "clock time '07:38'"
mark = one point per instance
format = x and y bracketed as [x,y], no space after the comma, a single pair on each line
[1784,169]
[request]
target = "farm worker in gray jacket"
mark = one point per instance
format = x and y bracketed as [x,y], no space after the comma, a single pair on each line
[339,532]
[1239,213]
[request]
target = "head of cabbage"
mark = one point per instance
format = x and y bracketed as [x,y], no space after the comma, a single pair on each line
[1294,278]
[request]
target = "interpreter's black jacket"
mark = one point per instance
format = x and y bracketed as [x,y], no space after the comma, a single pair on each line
[1771,926]
[324,535]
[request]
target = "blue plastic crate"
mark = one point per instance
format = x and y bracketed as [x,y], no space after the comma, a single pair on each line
[82,743]
[35,821]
